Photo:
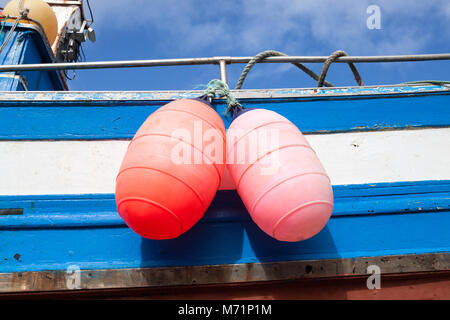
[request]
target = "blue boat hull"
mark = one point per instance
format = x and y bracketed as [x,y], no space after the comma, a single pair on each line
[57,236]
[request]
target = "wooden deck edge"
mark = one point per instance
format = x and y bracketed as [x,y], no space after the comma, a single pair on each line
[77,280]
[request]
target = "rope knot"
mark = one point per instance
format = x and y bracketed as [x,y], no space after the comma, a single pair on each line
[24,13]
[218,88]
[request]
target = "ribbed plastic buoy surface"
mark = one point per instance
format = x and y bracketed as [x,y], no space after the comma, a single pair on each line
[172,169]
[278,176]
[39,11]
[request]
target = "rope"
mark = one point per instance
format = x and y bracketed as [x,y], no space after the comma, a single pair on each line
[23,35]
[3,26]
[218,88]
[10,33]
[272,53]
[90,12]
[23,14]
[333,58]
[436,82]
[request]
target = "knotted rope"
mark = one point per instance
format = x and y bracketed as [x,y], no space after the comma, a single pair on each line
[217,88]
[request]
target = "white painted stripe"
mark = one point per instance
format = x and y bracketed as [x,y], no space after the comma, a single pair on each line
[385,156]
[81,167]
[59,167]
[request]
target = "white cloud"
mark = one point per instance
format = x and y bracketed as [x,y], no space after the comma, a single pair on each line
[189,27]
[296,26]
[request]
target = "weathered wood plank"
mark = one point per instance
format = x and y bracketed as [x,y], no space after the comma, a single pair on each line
[219,274]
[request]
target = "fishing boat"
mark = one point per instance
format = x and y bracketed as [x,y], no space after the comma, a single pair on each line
[386,149]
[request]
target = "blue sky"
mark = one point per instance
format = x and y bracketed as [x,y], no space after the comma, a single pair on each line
[154,29]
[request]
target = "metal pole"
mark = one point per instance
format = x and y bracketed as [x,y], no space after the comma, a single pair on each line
[223,71]
[347,59]
[213,60]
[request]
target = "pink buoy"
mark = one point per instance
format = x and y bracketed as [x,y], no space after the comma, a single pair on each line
[278,176]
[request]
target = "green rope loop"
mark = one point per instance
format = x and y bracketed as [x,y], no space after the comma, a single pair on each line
[217,88]
[3,25]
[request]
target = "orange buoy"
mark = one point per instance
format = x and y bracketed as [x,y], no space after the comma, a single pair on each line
[39,11]
[172,169]
[278,175]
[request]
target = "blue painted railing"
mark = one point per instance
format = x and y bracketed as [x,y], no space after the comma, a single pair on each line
[104,119]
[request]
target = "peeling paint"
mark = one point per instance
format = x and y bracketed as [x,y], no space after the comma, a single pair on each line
[88,96]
